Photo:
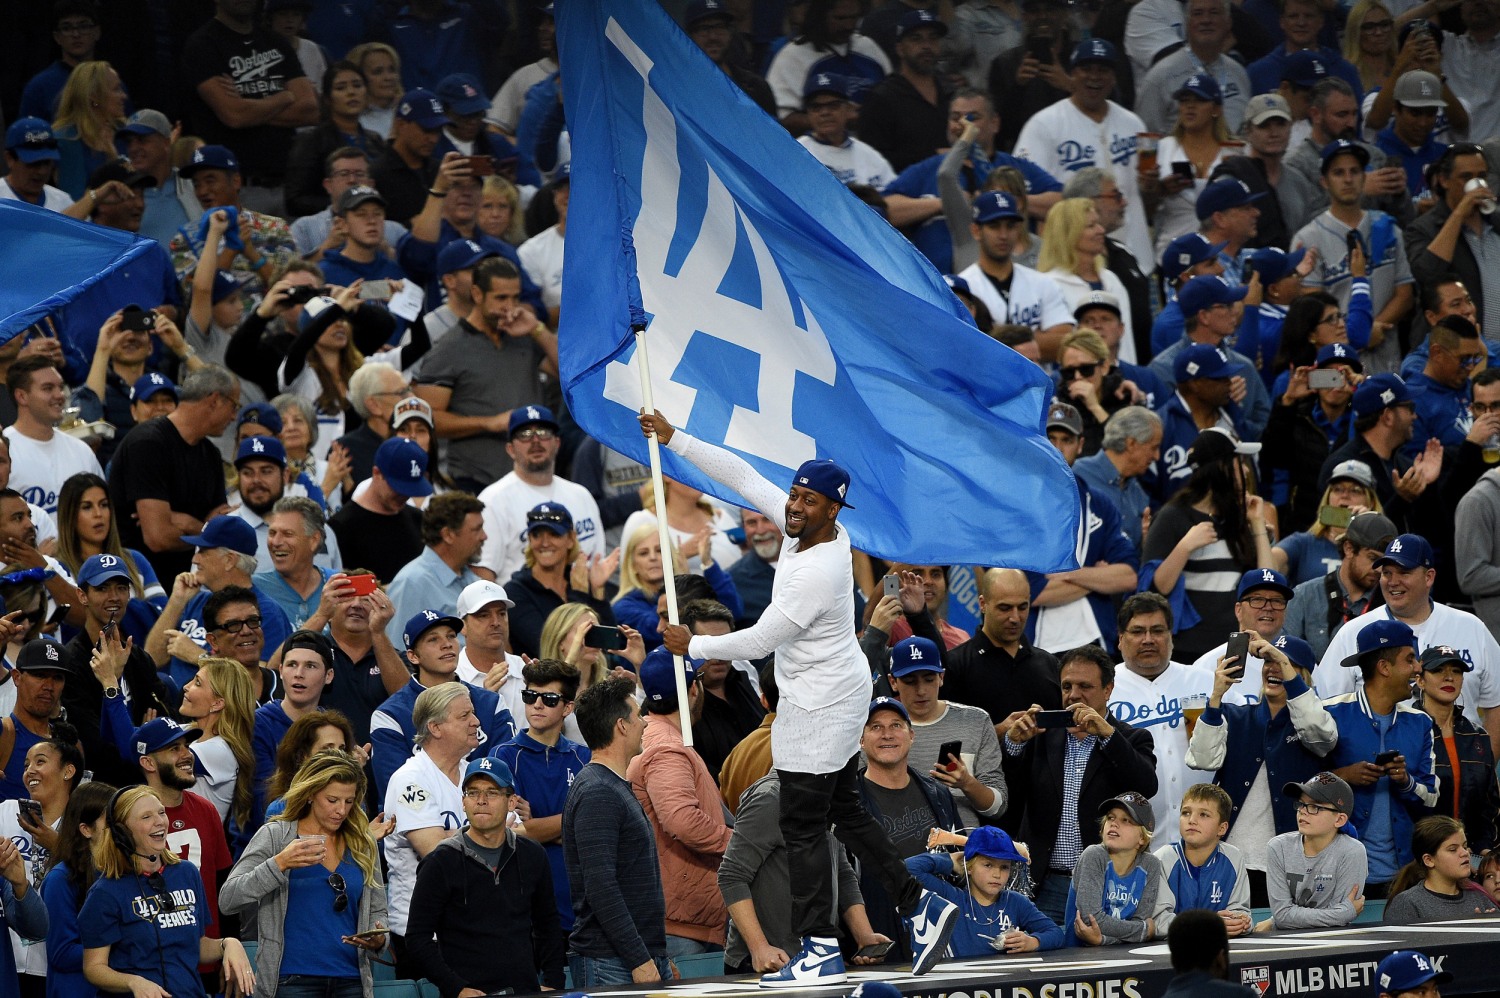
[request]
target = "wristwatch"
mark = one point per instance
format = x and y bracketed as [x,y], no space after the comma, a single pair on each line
[111,692]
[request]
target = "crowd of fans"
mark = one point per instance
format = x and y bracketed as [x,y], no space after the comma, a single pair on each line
[326,625]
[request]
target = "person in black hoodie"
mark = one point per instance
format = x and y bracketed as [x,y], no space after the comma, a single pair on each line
[482,916]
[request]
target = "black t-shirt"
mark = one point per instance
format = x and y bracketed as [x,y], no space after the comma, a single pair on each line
[262,64]
[404,189]
[904,814]
[357,690]
[383,544]
[154,462]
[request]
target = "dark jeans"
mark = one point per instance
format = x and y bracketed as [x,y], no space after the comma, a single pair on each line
[591,972]
[810,802]
[307,986]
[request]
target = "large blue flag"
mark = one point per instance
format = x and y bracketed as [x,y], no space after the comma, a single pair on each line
[784,319]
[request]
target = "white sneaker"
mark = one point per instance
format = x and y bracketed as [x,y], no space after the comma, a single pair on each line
[930,927]
[819,962]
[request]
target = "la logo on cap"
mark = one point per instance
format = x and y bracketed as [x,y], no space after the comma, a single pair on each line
[429,615]
[1388,397]
[1184,259]
[1281,641]
[1396,545]
[157,379]
[51,653]
[198,155]
[257,446]
[914,653]
[485,763]
[531,412]
[1267,576]
[1192,367]
[416,470]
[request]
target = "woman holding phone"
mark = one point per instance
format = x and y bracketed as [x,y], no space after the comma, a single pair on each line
[312,875]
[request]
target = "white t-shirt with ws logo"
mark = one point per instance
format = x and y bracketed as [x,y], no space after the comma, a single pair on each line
[420,795]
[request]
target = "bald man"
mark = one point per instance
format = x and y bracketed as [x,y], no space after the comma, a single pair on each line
[998,669]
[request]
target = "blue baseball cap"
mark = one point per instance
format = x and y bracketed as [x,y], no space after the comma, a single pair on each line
[313,309]
[100,568]
[553,516]
[1407,551]
[1382,391]
[461,254]
[1187,251]
[224,286]
[991,206]
[1300,652]
[915,655]
[461,94]
[153,736]
[1263,578]
[1339,353]
[1224,194]
[957,284]
[225,531]
[211,158]
[1275,264]
[1340,147]
[916,20]
[261,414]
[1304,69]
[526,415]
[420,623]
[260,449]
[825,83]
[492,769]
[1202,86]
[151,384]
[659,674]
[1379,635]
[1205,291]
[1095,50]
[888,703]
[987,840]
[1203,360]
[703,10]
[31,140]
[825,478]
[421,108]
[1407,969]
[403,465]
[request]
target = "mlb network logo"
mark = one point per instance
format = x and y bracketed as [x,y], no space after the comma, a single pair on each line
[1258,978]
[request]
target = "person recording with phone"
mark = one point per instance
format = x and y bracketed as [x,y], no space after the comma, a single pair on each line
[1258,743]
[1260,607]
[122,357]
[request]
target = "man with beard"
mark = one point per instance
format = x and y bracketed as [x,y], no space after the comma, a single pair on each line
[905,115]
[452,538]
[1333,113]
[261,463]
[754,573]
[533,445]
[18,546]
[404,173]
[710,24]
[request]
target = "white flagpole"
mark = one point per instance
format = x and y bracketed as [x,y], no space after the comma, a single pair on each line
[664,534]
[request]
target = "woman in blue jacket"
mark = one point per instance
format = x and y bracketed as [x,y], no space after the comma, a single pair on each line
[67,880]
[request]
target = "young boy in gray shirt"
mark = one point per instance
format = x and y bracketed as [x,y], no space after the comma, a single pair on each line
[1315,876]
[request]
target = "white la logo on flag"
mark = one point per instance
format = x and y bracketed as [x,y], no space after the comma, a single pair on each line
[686,304]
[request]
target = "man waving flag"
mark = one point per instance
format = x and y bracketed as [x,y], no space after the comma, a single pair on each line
[784,319]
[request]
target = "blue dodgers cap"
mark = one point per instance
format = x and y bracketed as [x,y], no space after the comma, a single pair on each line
[525,415]
[31,140]
[916,20]
[1382,391]
[1342,147]
[992,206]
[1274,264]
[1405,970]
[420,623]
[461,94]
[151,384]
[1187,251]
[1203,360]
[957,285]
[421,108]
[553,516]
[986,840]
[155,735]
[888,703]
[915,655]
[659,674]
[704,10]
[1263,578]
[1224,194]
[825,83]
[1407,551]
[403,464]
[211,158]
[261,414]
[1202,86]
[1206,291]
[1379,635]
[260,449]
[825,478]
[461,254]
[1300,652]
[1339,353]
[225,531]
[100,568]
[225,285]
[1095,50]
[1304,69]
[494,770]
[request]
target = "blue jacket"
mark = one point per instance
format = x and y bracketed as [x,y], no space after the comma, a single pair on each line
[1168,327]
[392,731]
[1209,886]
[543,776]
[64,944]
[638,610]
[1107,542]
[1171,470]
[1442,412]
[271,725]
[978,926]
[456,41]
[1359,741]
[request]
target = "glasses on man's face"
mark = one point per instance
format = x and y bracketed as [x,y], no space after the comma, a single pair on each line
[1308,807]
[351,175]
[1140,632]
[487,796]
[1077,371]
[340,893]
[534,433]
[1469,361]
[1261,602]
[236,626]
[548,698]
[1482,408]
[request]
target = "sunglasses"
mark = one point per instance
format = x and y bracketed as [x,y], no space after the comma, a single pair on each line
[549,699]
[340,893]
[158,885]
[534,433]
[1077,371]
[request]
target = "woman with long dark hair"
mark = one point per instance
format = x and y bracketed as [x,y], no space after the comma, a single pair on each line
[322,731]
[70,874]
[344,99]
[86,527]
[1437,885]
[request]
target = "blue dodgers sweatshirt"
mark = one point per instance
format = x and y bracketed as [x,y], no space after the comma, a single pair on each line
[392,731]
[981,924]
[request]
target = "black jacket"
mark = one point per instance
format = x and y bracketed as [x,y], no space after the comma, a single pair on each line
[83,697]
[473,927]
[533,602]
[305,165]
[1294,442]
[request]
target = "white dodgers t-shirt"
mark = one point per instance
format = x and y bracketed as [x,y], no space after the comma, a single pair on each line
[1155,705]
[39,469]
[506,503]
